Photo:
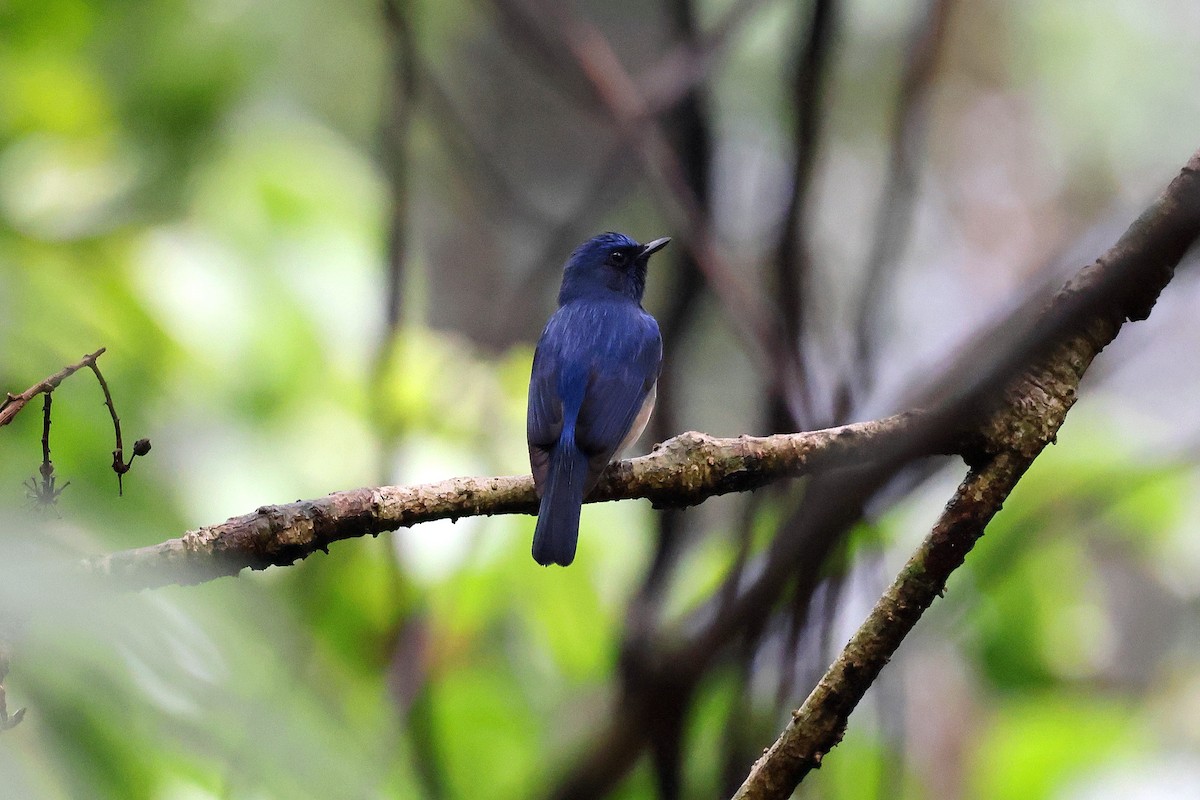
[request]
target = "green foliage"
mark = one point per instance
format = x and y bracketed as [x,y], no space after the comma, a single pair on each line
[1037,746]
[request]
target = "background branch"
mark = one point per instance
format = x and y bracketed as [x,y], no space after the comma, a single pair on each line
[894,215]
[1121,285]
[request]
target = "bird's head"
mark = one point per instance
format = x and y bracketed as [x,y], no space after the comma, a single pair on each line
[608,263]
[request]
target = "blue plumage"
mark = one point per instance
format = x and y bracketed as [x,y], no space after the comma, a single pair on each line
[592,385]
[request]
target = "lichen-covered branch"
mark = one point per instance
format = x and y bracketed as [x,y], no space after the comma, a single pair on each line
[819,723]
[683,471]
[1084,317]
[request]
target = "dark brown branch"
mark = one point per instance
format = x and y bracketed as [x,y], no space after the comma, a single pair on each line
[691,139]
[820,722]
[894,215]
[394,135]
[47,403]
[793,259]
[683,471]
[1085,316]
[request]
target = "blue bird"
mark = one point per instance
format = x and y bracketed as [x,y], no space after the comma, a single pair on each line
[593,383]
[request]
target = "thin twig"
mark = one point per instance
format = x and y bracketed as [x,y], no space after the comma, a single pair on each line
[402,49]
[475,150]
[118,463]
[13,403]
[140,447]
[607,184]
[46,491]
[46,403]
[543,51]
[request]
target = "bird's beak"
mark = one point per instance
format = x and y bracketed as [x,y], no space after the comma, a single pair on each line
[655,246]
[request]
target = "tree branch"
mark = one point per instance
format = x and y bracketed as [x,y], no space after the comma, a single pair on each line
[818,725]
[1084,317]
[13,403]
[683,471]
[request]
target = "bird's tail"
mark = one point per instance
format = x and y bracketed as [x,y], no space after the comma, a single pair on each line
[557,530]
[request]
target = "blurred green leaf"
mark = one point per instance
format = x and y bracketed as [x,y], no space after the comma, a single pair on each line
[1036,745]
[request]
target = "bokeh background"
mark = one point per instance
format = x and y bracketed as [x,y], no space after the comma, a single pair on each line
[319,241]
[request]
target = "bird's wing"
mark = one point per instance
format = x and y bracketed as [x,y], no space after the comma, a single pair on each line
[544,419]
[617,389]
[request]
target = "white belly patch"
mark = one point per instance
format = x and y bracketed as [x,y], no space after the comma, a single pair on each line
[639,423]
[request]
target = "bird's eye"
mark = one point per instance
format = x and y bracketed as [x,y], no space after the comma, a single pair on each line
[618,258]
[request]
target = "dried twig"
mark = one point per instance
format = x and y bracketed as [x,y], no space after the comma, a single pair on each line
[13,403]
[140,448]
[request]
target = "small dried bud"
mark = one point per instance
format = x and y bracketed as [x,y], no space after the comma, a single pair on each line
[141,447]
